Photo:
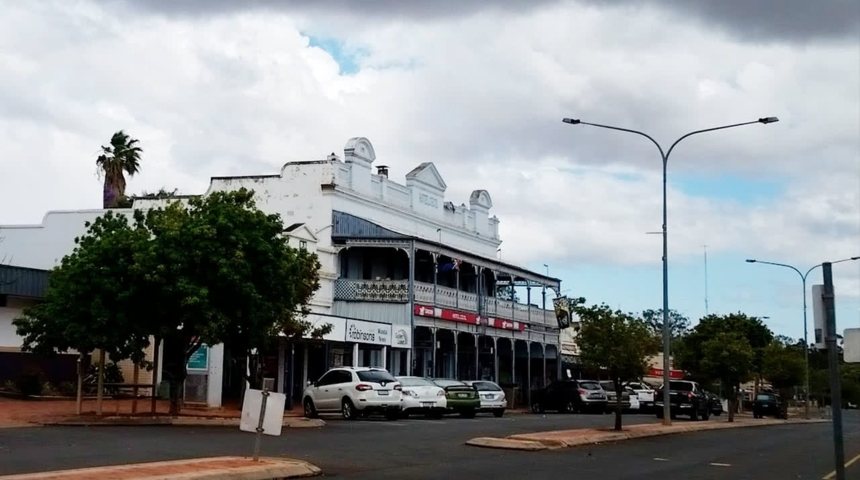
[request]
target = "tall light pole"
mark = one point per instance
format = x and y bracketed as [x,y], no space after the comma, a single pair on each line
[665,156]
[803,277]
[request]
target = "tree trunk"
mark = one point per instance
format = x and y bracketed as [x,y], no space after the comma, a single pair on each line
[733,398]
[101,383]
[79,400]
[110,193]
[134,389]
[617,404]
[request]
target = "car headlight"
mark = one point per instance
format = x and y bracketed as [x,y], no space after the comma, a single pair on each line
[411,393]
[440,393]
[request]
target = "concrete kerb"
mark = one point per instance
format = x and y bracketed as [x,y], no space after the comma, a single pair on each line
[588,436]
[215,468]
[289,422]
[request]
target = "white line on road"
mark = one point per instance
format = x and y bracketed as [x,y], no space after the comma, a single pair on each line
[715,464]
[661,459]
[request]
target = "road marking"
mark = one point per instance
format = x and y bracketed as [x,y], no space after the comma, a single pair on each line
[847,464]
[661,459]
[715,464]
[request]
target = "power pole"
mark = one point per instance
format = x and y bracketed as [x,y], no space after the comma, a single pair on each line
[833,360]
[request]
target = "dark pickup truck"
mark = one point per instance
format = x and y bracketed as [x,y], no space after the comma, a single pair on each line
[685,398]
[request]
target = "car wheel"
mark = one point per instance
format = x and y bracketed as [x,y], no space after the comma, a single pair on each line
[537,408]
[498,412]
[470,413]
[706,415]
[348,409]
[310,410]
[569,407]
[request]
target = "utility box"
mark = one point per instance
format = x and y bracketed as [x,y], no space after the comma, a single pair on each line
[851,345]
[819,317]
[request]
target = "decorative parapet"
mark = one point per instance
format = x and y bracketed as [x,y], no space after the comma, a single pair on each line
[392,291]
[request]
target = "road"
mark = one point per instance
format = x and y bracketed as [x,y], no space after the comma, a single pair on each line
[418,448]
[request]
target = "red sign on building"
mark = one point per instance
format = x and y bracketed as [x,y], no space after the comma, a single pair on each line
[673,374]
[469,318]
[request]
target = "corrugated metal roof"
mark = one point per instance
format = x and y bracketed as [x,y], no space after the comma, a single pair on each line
[345,225]
[23,282]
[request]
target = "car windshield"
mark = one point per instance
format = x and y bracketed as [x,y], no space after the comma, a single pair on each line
[487,386]
[608,385]
[590,385]
[376,376]
[414,382]
[764,397]
[635,386]
[682,386]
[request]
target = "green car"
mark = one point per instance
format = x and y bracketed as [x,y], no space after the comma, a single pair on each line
[461,398]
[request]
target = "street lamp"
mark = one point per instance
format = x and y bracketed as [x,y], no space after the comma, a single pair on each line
[803,277]
[665,156]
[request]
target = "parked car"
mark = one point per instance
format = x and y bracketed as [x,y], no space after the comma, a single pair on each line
[461,398]
[569,396]
[492,396]
[685,398]
[716,403]
[644,393]
[353,391]
[420,395]
[611,396]
[769,404]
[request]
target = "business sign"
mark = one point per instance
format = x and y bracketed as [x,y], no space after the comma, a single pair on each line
[673,374]
[567,339]
[401,338]
[338,326]
[199,360]
[368,332]
[468,318]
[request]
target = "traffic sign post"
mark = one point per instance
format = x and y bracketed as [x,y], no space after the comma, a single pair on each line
[262,413]
[828,302]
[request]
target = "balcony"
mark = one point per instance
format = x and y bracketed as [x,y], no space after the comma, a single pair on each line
[493,307]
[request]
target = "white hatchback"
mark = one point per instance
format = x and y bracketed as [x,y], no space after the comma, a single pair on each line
[422,395]
[492,396]
[353,391]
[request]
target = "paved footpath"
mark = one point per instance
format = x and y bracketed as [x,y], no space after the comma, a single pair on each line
[215,468]
[589,436]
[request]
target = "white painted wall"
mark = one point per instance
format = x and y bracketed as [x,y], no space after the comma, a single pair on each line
[9,340]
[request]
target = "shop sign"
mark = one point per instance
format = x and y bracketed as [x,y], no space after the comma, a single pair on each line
[368,332]
[401,337]
[199,360]
[445,314]
[673,374]
[505,324]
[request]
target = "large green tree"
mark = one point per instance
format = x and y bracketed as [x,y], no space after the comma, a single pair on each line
[220,270]
[614,342]
[727,357]
[738,328]
[120,157]
[783,365]
[679,325]
[90,303]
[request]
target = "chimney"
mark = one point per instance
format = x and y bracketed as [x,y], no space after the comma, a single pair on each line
[382,171]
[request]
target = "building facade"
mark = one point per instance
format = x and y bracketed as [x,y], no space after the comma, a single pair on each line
[409,281]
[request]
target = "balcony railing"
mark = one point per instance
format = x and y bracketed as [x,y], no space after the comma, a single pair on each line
[394,291]
[397,291]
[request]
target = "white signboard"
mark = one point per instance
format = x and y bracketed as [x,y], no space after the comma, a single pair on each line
[851,345]
[338,326]
[368,332]
[274,417]
[567,339]
[819,317]
[401,338]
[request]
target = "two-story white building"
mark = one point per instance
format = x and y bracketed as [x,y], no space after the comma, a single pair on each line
[409,279]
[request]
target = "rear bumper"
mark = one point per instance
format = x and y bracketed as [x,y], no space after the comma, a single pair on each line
[419,404]
[458,404]
[375,405]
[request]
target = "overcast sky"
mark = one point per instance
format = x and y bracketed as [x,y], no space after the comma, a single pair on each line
[479,88]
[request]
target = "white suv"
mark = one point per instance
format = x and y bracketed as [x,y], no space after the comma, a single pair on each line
[353,391]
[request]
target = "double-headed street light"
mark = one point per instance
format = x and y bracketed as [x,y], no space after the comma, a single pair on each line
[665,156]
[803,277]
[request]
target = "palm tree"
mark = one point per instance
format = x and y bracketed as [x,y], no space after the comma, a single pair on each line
[121,156]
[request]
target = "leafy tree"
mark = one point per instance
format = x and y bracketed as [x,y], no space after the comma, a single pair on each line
[220,270]
[678,323]
[729,358]
[783,365]
[615,342]
[689,351]
[90,300]
[120,157]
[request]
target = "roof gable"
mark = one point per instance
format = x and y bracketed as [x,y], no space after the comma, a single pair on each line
[428,175]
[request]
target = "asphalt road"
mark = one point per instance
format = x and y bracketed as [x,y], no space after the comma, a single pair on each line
[435,449]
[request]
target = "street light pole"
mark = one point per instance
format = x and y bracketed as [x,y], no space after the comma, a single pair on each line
[803,277]
[665,157]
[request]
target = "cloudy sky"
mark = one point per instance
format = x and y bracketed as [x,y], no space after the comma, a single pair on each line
[480,88]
